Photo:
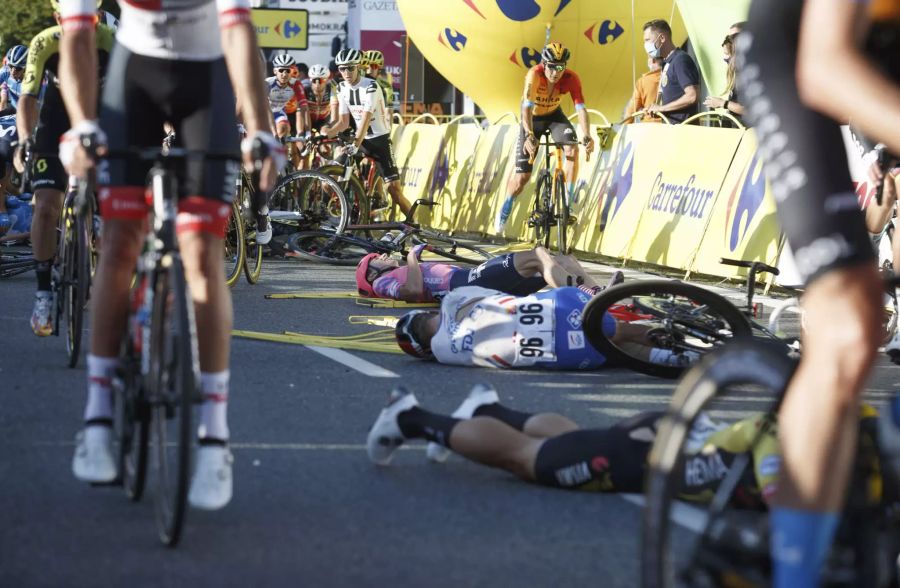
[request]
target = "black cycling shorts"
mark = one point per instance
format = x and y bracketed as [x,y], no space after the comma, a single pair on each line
[382,151]
[806,163]
[196,97]
[599,460]
[500,274]
[47,171]
[555,123]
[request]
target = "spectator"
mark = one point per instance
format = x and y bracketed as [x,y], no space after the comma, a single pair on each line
[645,90]
[730,103]
[736,28]
[680,81]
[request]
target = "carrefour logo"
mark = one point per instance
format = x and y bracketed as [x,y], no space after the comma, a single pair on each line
[687,199]
[607,32]
[288,29]
[753,191]
[526,56]
[453,39]
[516,10]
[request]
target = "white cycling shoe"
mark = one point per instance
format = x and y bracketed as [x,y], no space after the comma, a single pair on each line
[211,486]
[263,237]
[94,460]
[385,436]
[479,395]
[893,347]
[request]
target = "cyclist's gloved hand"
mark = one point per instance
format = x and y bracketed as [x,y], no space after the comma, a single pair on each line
[72,153]
[265,154]
[351,149]
[241,130]
[5,222]
[418,249]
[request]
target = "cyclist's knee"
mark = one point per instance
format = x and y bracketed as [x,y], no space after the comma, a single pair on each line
[517,182]
[571,152]
[47,203]
[122,240]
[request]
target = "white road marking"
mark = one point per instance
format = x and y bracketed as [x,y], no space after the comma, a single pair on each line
[266,446]
[356,363]
[689,517]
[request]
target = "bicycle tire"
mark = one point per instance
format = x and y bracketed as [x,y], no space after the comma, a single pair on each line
[174,390]
[13,265]
[561,206]
[326,247]
[357,198]
[315,194]
[540,212]
[740,364]
[76,287]
[449,248]
[131,421]
[727,322]
[253,259]
[235,249]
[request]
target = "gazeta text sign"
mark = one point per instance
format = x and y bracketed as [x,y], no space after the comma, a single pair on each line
[281,29]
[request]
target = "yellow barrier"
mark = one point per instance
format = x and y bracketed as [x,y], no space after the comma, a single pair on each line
[490,169]
[455,159]
[415,154]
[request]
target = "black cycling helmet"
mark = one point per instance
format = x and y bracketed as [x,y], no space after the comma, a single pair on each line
[407,339]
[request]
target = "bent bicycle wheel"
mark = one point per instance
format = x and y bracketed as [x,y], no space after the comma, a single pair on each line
[662,326]
[235,249]
[713,463]
[173,394]
[451,249]
[326,247]
[317,197]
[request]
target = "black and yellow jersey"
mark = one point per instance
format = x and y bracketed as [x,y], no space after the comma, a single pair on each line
[43,56]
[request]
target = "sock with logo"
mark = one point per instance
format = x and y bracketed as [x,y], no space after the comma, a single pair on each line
[590,290]
[214,411]
[800,542]
[418,423]
[513,418]
[101,370]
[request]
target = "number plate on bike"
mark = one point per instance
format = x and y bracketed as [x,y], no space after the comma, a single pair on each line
[535,330]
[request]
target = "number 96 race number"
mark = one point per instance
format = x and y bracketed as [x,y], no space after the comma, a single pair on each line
[535,332]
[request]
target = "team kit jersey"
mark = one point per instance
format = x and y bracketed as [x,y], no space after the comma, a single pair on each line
[280,96]
[319,108]
[487,328]
[438,279]
[361,98]
[10,86]
[544,96]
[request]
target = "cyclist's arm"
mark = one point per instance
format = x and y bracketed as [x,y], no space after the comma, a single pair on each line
[302,119]
[244,67]
[26,116]
[363,127]
[78,79]
[413,289]
[4,97]
[835,78]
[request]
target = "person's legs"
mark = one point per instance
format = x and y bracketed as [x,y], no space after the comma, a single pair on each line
[571,169]
[44,224]
[396,191]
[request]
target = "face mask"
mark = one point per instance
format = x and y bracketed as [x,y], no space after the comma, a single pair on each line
[651,49]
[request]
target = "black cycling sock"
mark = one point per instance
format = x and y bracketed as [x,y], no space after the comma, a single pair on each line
[418,423]
[42,269]
[513,418]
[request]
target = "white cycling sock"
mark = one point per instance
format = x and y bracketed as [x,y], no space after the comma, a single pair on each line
[214,412]
[100,374]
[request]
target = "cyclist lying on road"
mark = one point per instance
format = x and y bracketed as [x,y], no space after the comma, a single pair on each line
[520,273]
[551,450]
[487,328]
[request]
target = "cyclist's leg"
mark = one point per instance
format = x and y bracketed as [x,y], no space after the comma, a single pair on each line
[382,151]
[562,131]
[806,166]
[517,180]
[513,273]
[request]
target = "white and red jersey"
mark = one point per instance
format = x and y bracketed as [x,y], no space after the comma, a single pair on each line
[279,96]
[184,30]
[364,97]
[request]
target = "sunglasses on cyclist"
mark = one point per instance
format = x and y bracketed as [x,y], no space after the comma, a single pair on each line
[283,70]
[317,81]
[347,68]
[557,67]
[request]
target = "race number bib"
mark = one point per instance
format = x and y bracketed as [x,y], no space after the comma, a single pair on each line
[535,330]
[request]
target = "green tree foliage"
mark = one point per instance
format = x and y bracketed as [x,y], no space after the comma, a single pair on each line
[21,20]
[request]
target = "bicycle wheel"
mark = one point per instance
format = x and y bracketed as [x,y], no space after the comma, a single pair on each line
[354,192]
[173,392]
[728,400]
[234,246]
[326,247]
[13,265]
[76,282]
[253,259]
[452,249]
[130,421]
[317,197]
[561,208]
[541,215]
[662,326]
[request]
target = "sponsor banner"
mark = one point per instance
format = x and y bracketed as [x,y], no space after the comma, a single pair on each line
[327,19]
[593,199]
[451,173]
[415,155]
[621,207]
[743,224]
[677,178]
[281,29]
[491,166]
[499,41]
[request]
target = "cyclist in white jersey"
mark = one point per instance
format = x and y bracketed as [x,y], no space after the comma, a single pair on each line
[361,98]
[172,64]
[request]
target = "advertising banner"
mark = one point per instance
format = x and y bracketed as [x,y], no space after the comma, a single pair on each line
[281,29]
[602,182]
[451,173]
[416,153]
[327,22]
[743,224]
[678,186]
[491,166]
[484,48]
[377,25]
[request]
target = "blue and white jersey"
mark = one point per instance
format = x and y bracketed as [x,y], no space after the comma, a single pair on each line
[8,128]
[9,85]
[488,328]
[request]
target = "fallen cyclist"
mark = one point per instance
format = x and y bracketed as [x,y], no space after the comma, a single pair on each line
[481,327]
[520,274]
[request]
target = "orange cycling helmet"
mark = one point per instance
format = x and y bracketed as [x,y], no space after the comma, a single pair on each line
[555,53]
[362,284]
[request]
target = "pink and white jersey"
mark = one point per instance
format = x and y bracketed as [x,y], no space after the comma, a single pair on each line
[281,95]
[185,30]
[435,275]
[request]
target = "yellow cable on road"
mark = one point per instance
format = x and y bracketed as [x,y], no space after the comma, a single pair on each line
[378,321]
[377,344]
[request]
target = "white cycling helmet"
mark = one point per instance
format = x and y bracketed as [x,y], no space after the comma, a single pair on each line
[283,60]
[319,71]
[108,19]
[348,57]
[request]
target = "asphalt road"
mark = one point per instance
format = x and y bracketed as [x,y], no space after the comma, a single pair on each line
[309,508]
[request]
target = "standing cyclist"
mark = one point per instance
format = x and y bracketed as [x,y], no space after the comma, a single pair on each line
[803,70]
[11,78]
[361,98]
[545,83]
[167,66]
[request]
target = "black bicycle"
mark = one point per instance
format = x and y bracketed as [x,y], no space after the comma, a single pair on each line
[399,237]
[15,262]
[551,201]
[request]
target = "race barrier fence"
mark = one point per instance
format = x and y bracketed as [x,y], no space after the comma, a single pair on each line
[675,196]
